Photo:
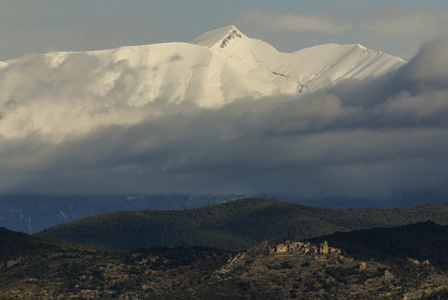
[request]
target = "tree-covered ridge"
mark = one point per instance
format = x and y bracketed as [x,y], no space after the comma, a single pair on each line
[238,224]
[421,241]
[12,242]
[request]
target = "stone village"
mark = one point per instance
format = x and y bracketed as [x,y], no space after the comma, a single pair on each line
[294,247]
[290,247]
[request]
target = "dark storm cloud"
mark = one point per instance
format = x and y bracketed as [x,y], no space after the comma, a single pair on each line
[370,138]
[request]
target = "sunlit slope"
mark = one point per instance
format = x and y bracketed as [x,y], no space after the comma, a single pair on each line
[62,93]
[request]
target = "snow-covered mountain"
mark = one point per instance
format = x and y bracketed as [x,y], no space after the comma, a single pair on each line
[63,93]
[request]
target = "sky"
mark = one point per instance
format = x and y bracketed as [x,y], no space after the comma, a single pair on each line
[398,27]
[371,138]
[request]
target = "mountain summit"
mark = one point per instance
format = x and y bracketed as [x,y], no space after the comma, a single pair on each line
[87,89]
[219,37]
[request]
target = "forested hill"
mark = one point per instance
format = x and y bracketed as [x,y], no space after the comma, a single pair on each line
[421,241]
[14,243]
[237,224]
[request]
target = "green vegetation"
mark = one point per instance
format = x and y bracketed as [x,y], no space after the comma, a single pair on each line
[238,224]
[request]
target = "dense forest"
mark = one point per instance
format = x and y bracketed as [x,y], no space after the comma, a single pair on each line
[421,241]
[238,224]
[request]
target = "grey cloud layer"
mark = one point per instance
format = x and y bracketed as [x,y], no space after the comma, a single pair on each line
[367,139]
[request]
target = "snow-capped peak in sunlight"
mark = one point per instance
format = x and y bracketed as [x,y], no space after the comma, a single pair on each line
[74,92]
[218,37]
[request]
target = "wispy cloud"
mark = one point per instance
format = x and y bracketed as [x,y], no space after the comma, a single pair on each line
[407,24]
[291,22]
[389,27]
[28,27]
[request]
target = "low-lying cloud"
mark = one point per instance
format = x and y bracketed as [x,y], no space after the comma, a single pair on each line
[371,138]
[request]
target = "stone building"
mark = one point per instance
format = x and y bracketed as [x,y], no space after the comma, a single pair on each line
[301,247]
[323,248]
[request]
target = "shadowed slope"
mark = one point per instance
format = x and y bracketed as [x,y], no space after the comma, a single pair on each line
[236,224]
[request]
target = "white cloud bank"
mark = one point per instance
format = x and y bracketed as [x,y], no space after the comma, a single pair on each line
[372,138]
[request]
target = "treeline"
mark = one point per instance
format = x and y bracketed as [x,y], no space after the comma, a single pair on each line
[238,224]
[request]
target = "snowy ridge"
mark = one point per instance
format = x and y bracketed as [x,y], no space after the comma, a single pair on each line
[89,89]
[217,37]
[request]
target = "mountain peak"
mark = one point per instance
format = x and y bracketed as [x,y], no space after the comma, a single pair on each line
[221,66]
[218,37]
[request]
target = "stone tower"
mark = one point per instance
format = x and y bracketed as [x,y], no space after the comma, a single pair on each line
[323,248]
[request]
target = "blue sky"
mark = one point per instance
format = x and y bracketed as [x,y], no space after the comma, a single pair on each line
[397,27]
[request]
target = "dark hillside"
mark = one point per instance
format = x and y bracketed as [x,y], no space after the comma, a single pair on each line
[421,241]
[53,272]
[41,268]
[238,224]
[12,243]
